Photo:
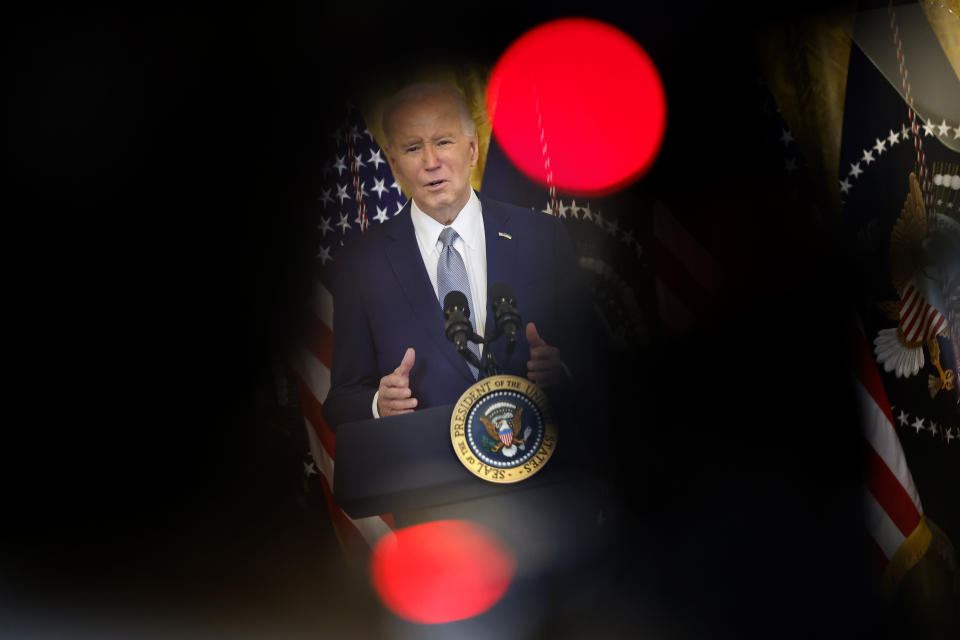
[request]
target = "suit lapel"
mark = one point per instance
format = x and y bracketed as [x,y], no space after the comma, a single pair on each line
[403,252]
[504,247]
[502,250]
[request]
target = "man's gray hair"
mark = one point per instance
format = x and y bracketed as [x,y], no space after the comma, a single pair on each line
[420,91]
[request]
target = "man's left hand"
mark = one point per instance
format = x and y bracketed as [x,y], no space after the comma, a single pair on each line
[544,367]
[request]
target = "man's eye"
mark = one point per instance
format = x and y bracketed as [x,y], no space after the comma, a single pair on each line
[444,142]
[413,148]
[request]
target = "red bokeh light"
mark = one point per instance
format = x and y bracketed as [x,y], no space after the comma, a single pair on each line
[592,92]
[441,571]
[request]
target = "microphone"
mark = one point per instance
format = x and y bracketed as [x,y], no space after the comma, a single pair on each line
[505,311]
[456,311]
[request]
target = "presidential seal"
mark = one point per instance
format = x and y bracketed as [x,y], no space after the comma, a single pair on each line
[502,429]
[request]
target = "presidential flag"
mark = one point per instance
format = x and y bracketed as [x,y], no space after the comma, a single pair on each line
[868,98]
[889,158]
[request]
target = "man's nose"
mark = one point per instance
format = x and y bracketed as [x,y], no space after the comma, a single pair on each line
[430,159]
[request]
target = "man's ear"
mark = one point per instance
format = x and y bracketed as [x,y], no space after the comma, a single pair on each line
[474,149]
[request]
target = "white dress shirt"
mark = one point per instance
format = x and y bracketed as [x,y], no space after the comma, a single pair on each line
[472,247]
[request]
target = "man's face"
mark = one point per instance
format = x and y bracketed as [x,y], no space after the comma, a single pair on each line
[431,156]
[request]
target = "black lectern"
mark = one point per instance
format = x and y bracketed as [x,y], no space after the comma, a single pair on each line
[405,465]
[406,462]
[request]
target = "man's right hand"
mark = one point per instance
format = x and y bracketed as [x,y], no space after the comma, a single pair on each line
[393,396]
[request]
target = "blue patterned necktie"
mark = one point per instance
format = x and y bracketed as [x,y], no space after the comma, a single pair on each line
[452,276]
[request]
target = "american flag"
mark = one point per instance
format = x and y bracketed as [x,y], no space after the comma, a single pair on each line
[893,509]
[357,190]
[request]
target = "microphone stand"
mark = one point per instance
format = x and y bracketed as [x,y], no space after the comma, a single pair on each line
[487,363]
[457,313]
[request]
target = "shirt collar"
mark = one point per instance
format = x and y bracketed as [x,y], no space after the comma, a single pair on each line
[467,224]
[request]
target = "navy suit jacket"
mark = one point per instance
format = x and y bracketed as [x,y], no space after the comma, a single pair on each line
[384,303]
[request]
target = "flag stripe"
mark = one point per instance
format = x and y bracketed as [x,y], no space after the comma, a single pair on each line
[893,506]
[917,320]
[930,322]
[925,318]
[323,304]
[322,459]
[372,528]
[313,411]
[882,438]
[909,303]
[888,491]
[351,539]
[319,339]
[910,320]
[924,327]
[938,327]
[915,316]
[314,373]
[355,535]
[878,425]
[937,322]
[869,377]
[880,559]
[883,530]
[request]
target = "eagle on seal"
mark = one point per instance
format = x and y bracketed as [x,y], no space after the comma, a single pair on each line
[507,432]
[918,245]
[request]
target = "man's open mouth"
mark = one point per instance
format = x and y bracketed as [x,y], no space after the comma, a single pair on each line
[435,183]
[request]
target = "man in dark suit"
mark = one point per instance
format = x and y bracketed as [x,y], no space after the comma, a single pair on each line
[391,355]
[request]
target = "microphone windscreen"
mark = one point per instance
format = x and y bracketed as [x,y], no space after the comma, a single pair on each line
[455,300]
[501,290]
